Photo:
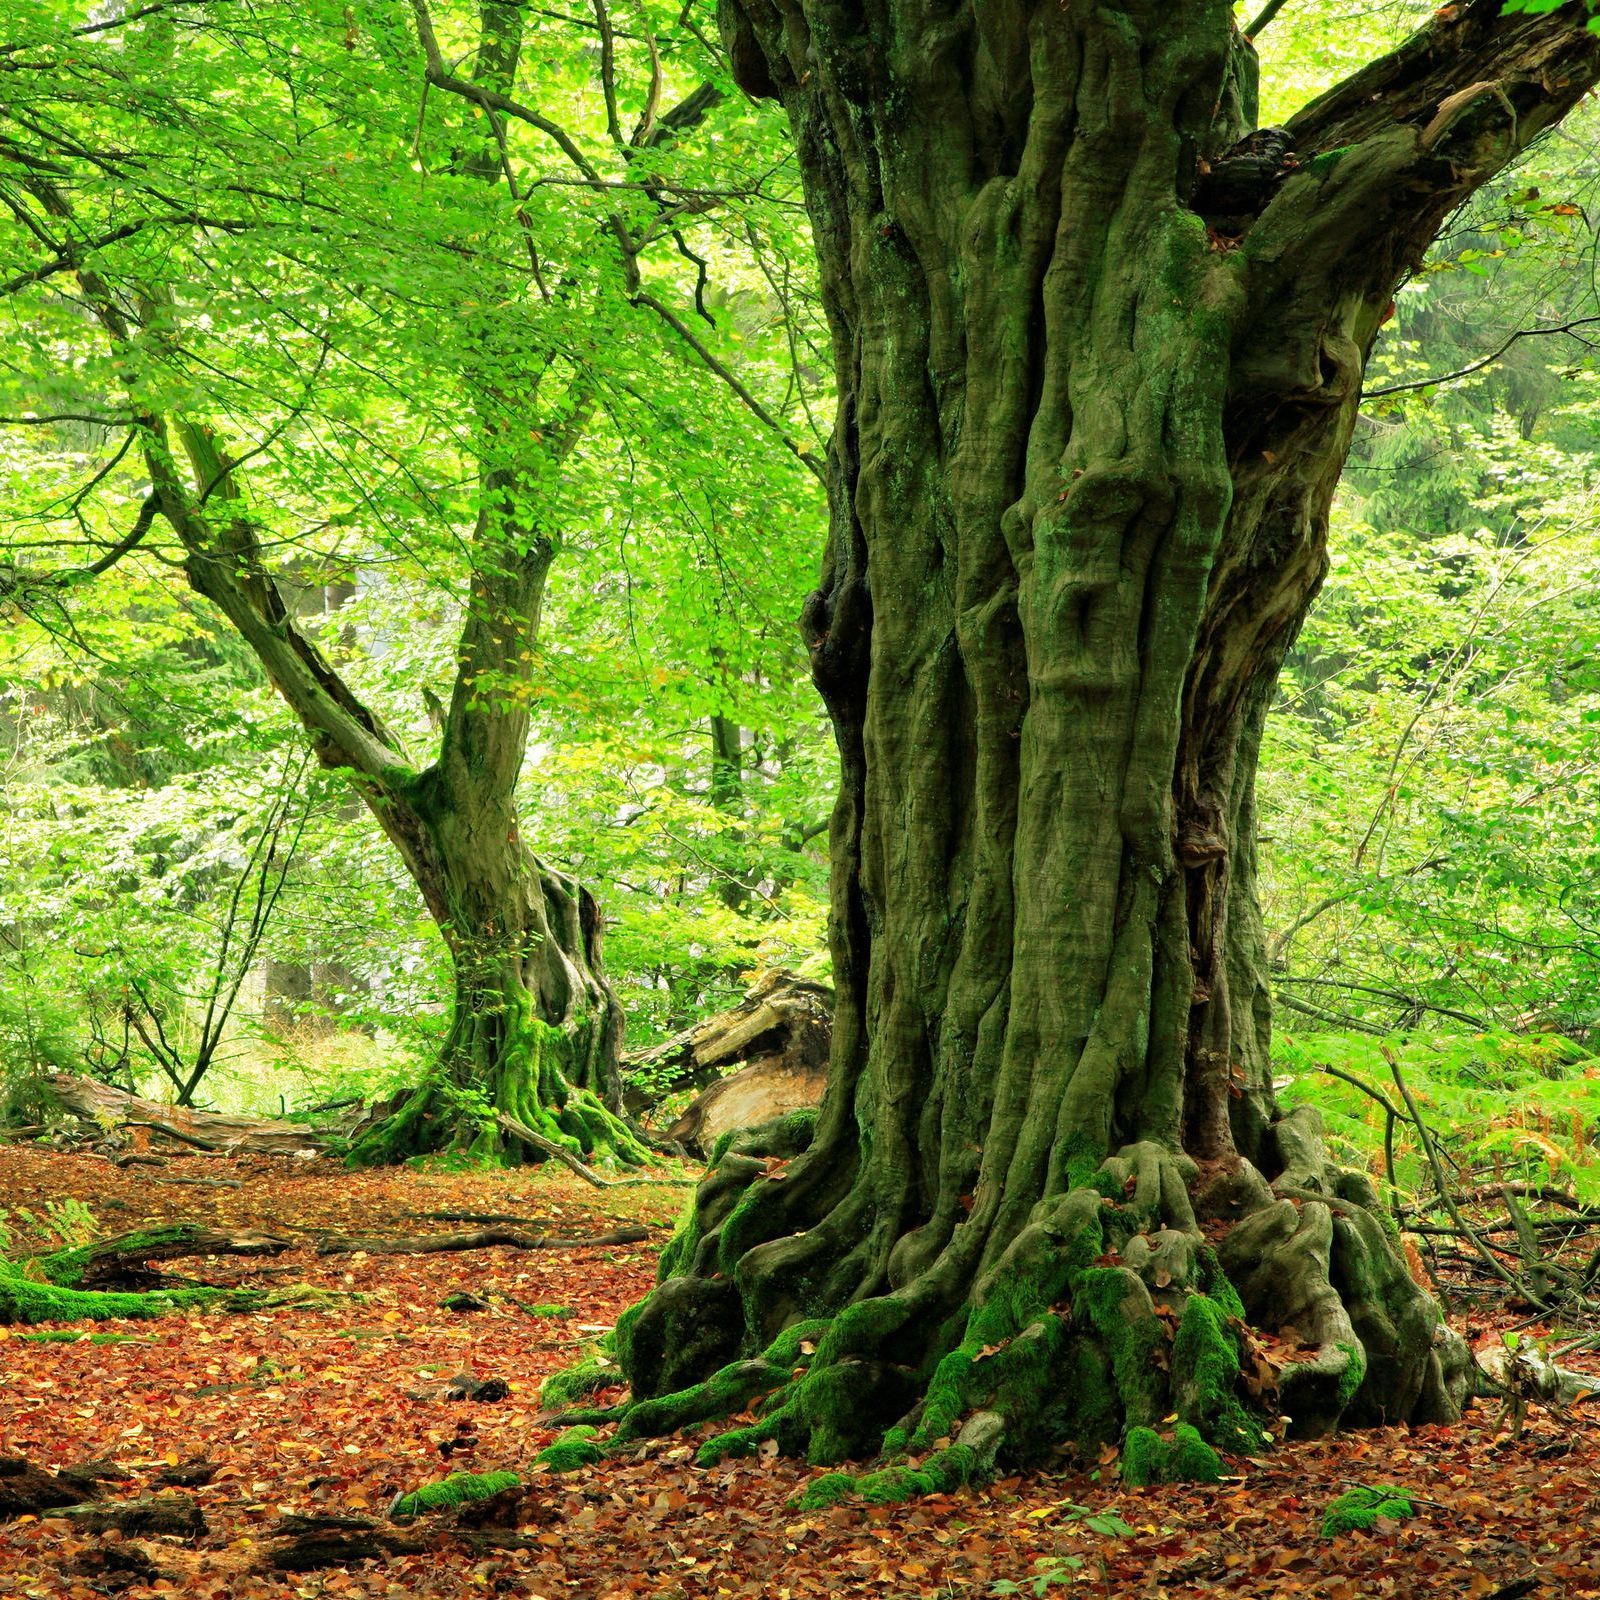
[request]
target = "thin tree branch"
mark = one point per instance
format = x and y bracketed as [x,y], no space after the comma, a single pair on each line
[15,581]
[751,403]
[1263,17]
[1478,366]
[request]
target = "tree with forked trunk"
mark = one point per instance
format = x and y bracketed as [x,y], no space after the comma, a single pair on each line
[398,242]
[1100,347]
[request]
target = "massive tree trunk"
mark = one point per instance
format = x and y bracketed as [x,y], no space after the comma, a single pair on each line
[1098,367]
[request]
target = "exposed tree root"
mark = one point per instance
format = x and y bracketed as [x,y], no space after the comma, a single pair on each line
[523,1103]
[1108,1318]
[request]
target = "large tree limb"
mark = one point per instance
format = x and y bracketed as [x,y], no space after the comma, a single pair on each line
[1383,158]
[107,1107]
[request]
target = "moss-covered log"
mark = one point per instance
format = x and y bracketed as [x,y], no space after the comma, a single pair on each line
[123,1260]
[27,1299]
[1089,429]
[113,1278]
[450,1494]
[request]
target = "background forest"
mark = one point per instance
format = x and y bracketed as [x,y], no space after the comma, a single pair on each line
[190,905]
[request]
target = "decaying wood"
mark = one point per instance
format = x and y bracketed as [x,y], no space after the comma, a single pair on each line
[27,1490]
[780,1014]
[339,1545]
[761,1058]
[107,1107]
[311,1543]
[176,1514]
[481,1218]
[483,1239]
[122,1261]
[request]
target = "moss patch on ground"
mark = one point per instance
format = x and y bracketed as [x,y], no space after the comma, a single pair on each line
[1364,1505]
[459,1489]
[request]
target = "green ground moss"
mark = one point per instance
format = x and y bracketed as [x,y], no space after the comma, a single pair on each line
[574,1448]
[1361,1506]
[458,1489]
[74,1336]
[594,1372]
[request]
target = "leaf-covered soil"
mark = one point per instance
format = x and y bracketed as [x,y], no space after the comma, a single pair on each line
[334,1408]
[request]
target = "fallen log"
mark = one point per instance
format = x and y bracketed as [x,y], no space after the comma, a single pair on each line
[339,1542]
[482,1239]
[482,1218]
[122,1261]
[30,1491]
[756,1061]
[178,1515]
[107,1107]
[780,1015]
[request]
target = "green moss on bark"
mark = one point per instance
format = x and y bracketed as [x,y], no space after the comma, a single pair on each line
[1149,1458]
[501,1058]
[1205,1377]
[940,1473]
[26,1300]
[1354,1374]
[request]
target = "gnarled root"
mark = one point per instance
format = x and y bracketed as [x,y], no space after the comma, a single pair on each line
[530,1091]
[1108,1318]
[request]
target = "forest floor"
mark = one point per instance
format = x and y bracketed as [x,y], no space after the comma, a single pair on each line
[333,1408]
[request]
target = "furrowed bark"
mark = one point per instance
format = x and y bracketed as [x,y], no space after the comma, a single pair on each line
[1098,367]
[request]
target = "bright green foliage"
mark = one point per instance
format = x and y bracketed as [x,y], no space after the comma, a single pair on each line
[1362,1506]
[459,1489]
[1526,1103]
[1048,1573]
[392,435]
